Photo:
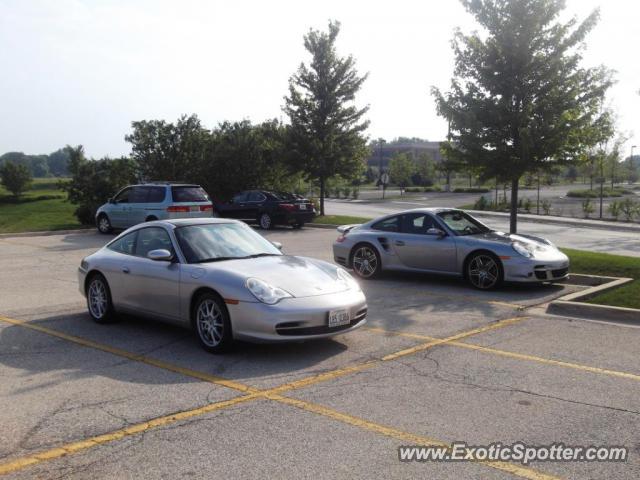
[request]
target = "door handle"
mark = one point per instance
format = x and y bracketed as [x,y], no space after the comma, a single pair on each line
[125,270]
[399,243]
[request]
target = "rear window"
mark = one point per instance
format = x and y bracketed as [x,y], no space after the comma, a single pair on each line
[155,194]
[189,194]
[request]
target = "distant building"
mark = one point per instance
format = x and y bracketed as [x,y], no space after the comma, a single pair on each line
[414,147]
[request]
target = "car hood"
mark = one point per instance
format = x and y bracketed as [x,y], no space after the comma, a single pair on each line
[537,244]
[300,276]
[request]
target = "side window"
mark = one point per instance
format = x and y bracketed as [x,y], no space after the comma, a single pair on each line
[152,238]
[388,225]
[124,244]
[156,194]
[241,197]
[417,223]
[123,196]
[138,195]
[256,197]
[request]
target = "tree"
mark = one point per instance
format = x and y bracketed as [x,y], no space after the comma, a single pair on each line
[519,99]
[15,178]
[94,181]
[401,168]
[425,171]
[326,127]
[58,162]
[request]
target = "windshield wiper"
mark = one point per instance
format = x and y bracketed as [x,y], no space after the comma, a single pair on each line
[256,255]
[217,259]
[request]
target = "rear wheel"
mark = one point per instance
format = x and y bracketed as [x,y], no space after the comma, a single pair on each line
[212,324]
[265,221]
[484,271]
[99,300]
[103,223]
[365,261]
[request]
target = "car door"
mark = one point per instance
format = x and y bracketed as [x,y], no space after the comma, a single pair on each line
[152,287]
[119,258]
[119,209]
[137,205]
[417,248]
[254,205]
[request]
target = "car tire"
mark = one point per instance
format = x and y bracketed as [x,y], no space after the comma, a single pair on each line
[99,301]
[484,271]
[265,221]
[211,323]
[365,261]
[104,224]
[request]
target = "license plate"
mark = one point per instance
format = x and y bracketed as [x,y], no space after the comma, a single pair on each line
[338,317]
[303,206]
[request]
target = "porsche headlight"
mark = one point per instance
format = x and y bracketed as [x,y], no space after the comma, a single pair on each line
[264,292]
[522,249]
[348,281]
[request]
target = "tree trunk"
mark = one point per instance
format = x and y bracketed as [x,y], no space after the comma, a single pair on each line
[513,217]
[322,196]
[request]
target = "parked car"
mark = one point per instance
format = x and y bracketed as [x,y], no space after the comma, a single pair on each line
[267,208]
[222,278]
[152,201]
[451,242]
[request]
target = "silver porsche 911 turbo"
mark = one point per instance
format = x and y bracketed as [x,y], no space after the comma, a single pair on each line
[451,242]
[222,278]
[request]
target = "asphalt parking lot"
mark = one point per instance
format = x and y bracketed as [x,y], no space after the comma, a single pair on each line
[438,362]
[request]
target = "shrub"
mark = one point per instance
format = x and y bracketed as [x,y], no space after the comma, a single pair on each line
[607,192]
[471,190]
[614,209]
[546,206]
[346,191]
[413,189]
[355,193]
[434,188]
[526,204]
[587,207]
[15,177]
[481,204]
[629,208]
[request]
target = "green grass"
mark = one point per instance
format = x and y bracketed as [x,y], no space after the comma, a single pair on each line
[43,207]
[609,265]
[339,219]
[595,193]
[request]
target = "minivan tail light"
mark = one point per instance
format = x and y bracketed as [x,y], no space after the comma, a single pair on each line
[206,208]
[289,207]
[178,209]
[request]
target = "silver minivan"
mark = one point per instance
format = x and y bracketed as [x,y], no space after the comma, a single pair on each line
[153,201]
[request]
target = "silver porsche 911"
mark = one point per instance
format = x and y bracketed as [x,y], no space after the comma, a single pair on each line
[222,278]
[451,242]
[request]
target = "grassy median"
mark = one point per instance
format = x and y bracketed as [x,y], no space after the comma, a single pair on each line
[43,207]
[593,263]
[338,220]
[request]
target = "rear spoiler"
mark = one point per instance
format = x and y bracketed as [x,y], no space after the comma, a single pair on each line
[344,229]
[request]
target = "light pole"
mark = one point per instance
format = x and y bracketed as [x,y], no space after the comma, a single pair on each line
[631,162]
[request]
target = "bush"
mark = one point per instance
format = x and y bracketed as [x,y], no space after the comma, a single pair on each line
[629,208]
[481,204]
[355,193]
[435,188]
[546,206]
[15,178]
[526,204]
[614,209]
[607,192]
[471,190]
[346,191]
[587,207]
[413,189]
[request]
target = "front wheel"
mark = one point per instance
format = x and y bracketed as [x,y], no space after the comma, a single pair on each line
[212,324]
[265,221]
[99,300]
[484,271]
[104,225]
[365,261]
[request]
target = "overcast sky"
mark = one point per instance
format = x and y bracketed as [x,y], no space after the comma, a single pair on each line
[78,72]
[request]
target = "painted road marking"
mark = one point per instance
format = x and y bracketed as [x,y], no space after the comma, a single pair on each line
[506,353]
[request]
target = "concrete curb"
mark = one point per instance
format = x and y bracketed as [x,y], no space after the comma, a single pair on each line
[572,305]
[48,232]
[321,225]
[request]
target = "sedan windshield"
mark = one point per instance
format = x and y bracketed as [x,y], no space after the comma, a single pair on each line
[463,224]
[222,241]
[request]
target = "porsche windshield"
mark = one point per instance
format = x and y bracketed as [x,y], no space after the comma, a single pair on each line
[462,224]
[222,241]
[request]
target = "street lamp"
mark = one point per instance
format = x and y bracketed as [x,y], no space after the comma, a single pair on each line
[631,162]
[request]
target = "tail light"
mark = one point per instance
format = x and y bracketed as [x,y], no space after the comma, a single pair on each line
[178,209]
[289,207]
[206,208]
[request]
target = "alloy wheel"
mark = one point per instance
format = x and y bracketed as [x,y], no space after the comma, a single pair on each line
[103,224]
[365,262]
[484,272]
[265,221]
[98,300]
[210,323]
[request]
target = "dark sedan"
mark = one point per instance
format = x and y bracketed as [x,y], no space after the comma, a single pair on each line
[267,208]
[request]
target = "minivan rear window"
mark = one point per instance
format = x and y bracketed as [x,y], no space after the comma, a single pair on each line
[189,194]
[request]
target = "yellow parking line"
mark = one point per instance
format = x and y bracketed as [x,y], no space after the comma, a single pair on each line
[133,356]
[253,393]
[406,438]
[54,453]
[506,353]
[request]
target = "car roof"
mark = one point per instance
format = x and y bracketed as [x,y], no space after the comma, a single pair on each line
[182,222]
[165,184]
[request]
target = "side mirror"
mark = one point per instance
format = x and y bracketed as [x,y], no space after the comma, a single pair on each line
[278,245]
[160,254]
[436,231]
